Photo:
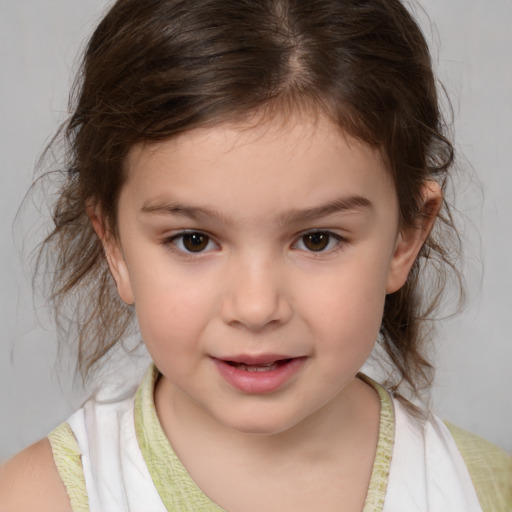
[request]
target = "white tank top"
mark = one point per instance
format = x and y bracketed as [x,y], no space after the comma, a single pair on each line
[426,473]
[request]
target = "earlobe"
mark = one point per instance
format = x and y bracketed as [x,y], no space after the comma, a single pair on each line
[113,253]
[411,239]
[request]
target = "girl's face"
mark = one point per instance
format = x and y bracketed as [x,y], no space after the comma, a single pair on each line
[258,259]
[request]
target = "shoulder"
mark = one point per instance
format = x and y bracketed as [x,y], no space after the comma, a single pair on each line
[490,469]
[30,481]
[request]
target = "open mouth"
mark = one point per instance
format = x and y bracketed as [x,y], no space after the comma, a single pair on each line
[259,374]
[264,367]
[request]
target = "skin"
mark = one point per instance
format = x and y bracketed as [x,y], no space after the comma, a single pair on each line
[30,481]
[297,244]
[252,195]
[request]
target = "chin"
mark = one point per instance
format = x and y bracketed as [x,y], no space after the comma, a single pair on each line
[259,430]
[264,425]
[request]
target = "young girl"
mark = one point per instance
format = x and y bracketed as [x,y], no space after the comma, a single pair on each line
[257,182]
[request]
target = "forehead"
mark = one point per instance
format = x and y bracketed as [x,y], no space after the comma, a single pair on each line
[276,162]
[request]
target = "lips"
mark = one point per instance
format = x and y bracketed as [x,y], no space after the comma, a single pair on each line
[260,374]
[266,367]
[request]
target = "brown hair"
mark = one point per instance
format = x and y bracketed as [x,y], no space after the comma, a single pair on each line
[154,69]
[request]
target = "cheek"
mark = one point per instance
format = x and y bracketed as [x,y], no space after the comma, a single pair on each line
[347,308]
[170,331]
[348,330]
[172,309]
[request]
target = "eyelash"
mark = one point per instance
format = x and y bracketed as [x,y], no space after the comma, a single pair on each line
[175,241]
[333,242]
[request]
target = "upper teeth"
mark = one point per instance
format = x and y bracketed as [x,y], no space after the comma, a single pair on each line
[264,367]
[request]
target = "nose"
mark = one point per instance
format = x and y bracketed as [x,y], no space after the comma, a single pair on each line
[256,295]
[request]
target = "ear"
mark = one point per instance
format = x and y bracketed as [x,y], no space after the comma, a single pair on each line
[113,253]
[411,239]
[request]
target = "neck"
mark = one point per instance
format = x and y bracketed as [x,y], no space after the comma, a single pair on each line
[346,420]
[326,458]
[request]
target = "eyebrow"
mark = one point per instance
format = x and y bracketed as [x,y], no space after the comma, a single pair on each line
[340,205]
[181,210]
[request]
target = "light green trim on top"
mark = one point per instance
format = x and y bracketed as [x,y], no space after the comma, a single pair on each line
[174,485]
[179,492]
[490,469]
[68,459]
[377,489]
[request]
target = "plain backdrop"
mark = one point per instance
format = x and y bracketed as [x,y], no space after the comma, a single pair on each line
[471,47]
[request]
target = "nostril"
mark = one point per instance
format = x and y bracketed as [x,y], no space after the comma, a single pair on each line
[256,326]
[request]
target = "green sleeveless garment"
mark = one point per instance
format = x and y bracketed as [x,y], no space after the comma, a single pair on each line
[490,468]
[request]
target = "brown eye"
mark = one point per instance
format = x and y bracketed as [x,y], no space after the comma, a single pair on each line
[195,242]
[191,242]
[316,241]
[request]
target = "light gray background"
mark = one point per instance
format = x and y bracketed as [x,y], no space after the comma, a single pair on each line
[472,47]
